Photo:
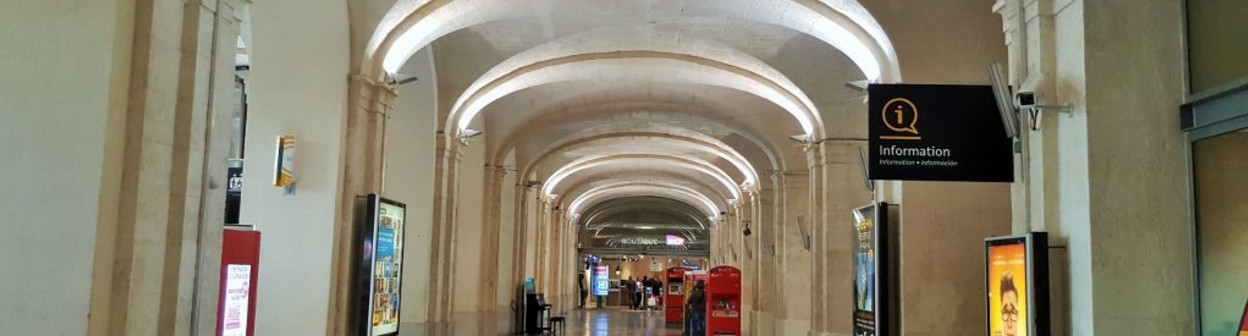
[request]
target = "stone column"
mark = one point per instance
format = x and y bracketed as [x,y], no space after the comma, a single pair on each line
[843,190]
[1116,63]
[442,257]
[768,229]
[489,248]
[794,255]
[168,182]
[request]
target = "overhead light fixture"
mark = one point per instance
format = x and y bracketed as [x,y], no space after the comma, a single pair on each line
[858,85]
[801,139]
[396,81]
[469,133]
[645,228]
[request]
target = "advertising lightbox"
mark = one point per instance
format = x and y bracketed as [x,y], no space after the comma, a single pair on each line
[1017,283]
[602,281]
[872,272]
[674,240]
[381,265]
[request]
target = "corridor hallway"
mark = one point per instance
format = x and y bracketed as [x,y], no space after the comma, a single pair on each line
[371,167]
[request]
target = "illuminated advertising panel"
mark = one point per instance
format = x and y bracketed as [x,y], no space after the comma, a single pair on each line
[871,271]
[382,265]
[674,240]
[602,281]
[1017,283]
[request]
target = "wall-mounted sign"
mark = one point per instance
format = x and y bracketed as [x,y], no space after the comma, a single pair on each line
[1017,283]
[382,264]
[285,164]
[655,266]
[937,133]
[873,276]
[233,194]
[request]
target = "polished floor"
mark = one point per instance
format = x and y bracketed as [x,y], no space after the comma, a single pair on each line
[580,322]
[616,321]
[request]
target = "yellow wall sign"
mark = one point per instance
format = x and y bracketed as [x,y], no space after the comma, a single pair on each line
[285,166]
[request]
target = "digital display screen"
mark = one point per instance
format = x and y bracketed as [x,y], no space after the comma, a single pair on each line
[1008,313]
[602,281]
[237,294]
[674,240]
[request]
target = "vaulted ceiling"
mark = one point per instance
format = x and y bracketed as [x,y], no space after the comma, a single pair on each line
[644,118]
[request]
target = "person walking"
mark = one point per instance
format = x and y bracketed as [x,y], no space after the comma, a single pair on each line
[638,288]
[629,288]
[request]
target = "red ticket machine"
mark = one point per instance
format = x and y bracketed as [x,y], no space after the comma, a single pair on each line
[240,265]
[723,301]
[674,295]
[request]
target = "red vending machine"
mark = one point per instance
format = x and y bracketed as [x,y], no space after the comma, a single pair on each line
[674,295]
[723,301]
[240,266]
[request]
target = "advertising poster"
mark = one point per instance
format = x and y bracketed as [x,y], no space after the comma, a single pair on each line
[1008,313]
[865,280]
[602,281]
[387,269]
[237,294]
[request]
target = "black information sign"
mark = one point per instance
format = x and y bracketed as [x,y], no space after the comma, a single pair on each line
[937,133]
[233,194]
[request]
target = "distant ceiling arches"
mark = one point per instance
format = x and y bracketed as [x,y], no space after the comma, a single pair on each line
[546,120]
[641,161]
[709,146]
[592,197]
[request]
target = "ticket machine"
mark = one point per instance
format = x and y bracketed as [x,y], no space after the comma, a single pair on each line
[674,295]
[723,301]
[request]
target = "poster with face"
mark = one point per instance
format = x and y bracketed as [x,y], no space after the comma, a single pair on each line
[865,267]
[1007,288]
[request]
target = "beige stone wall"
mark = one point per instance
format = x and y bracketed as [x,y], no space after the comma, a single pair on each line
[62,156]
[409,178]
[299,87]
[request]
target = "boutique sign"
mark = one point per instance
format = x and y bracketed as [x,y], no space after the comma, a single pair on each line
[937,133]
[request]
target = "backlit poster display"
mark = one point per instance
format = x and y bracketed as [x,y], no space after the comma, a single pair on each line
[870,246]
[382,252]
[602,281]
[1017,285]
[237,293]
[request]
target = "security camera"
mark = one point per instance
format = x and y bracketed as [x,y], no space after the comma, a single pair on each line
[1025,100]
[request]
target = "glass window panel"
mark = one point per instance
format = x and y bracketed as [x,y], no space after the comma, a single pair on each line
[1222,226]
[1217,41]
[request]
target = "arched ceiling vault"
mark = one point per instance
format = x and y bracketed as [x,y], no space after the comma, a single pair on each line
[608,192]
[615,143]
[411,25]
[632,53]
[623,109]
[705,191]
[641,161]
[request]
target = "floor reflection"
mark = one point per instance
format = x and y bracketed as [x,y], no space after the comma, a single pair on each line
[580,322]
